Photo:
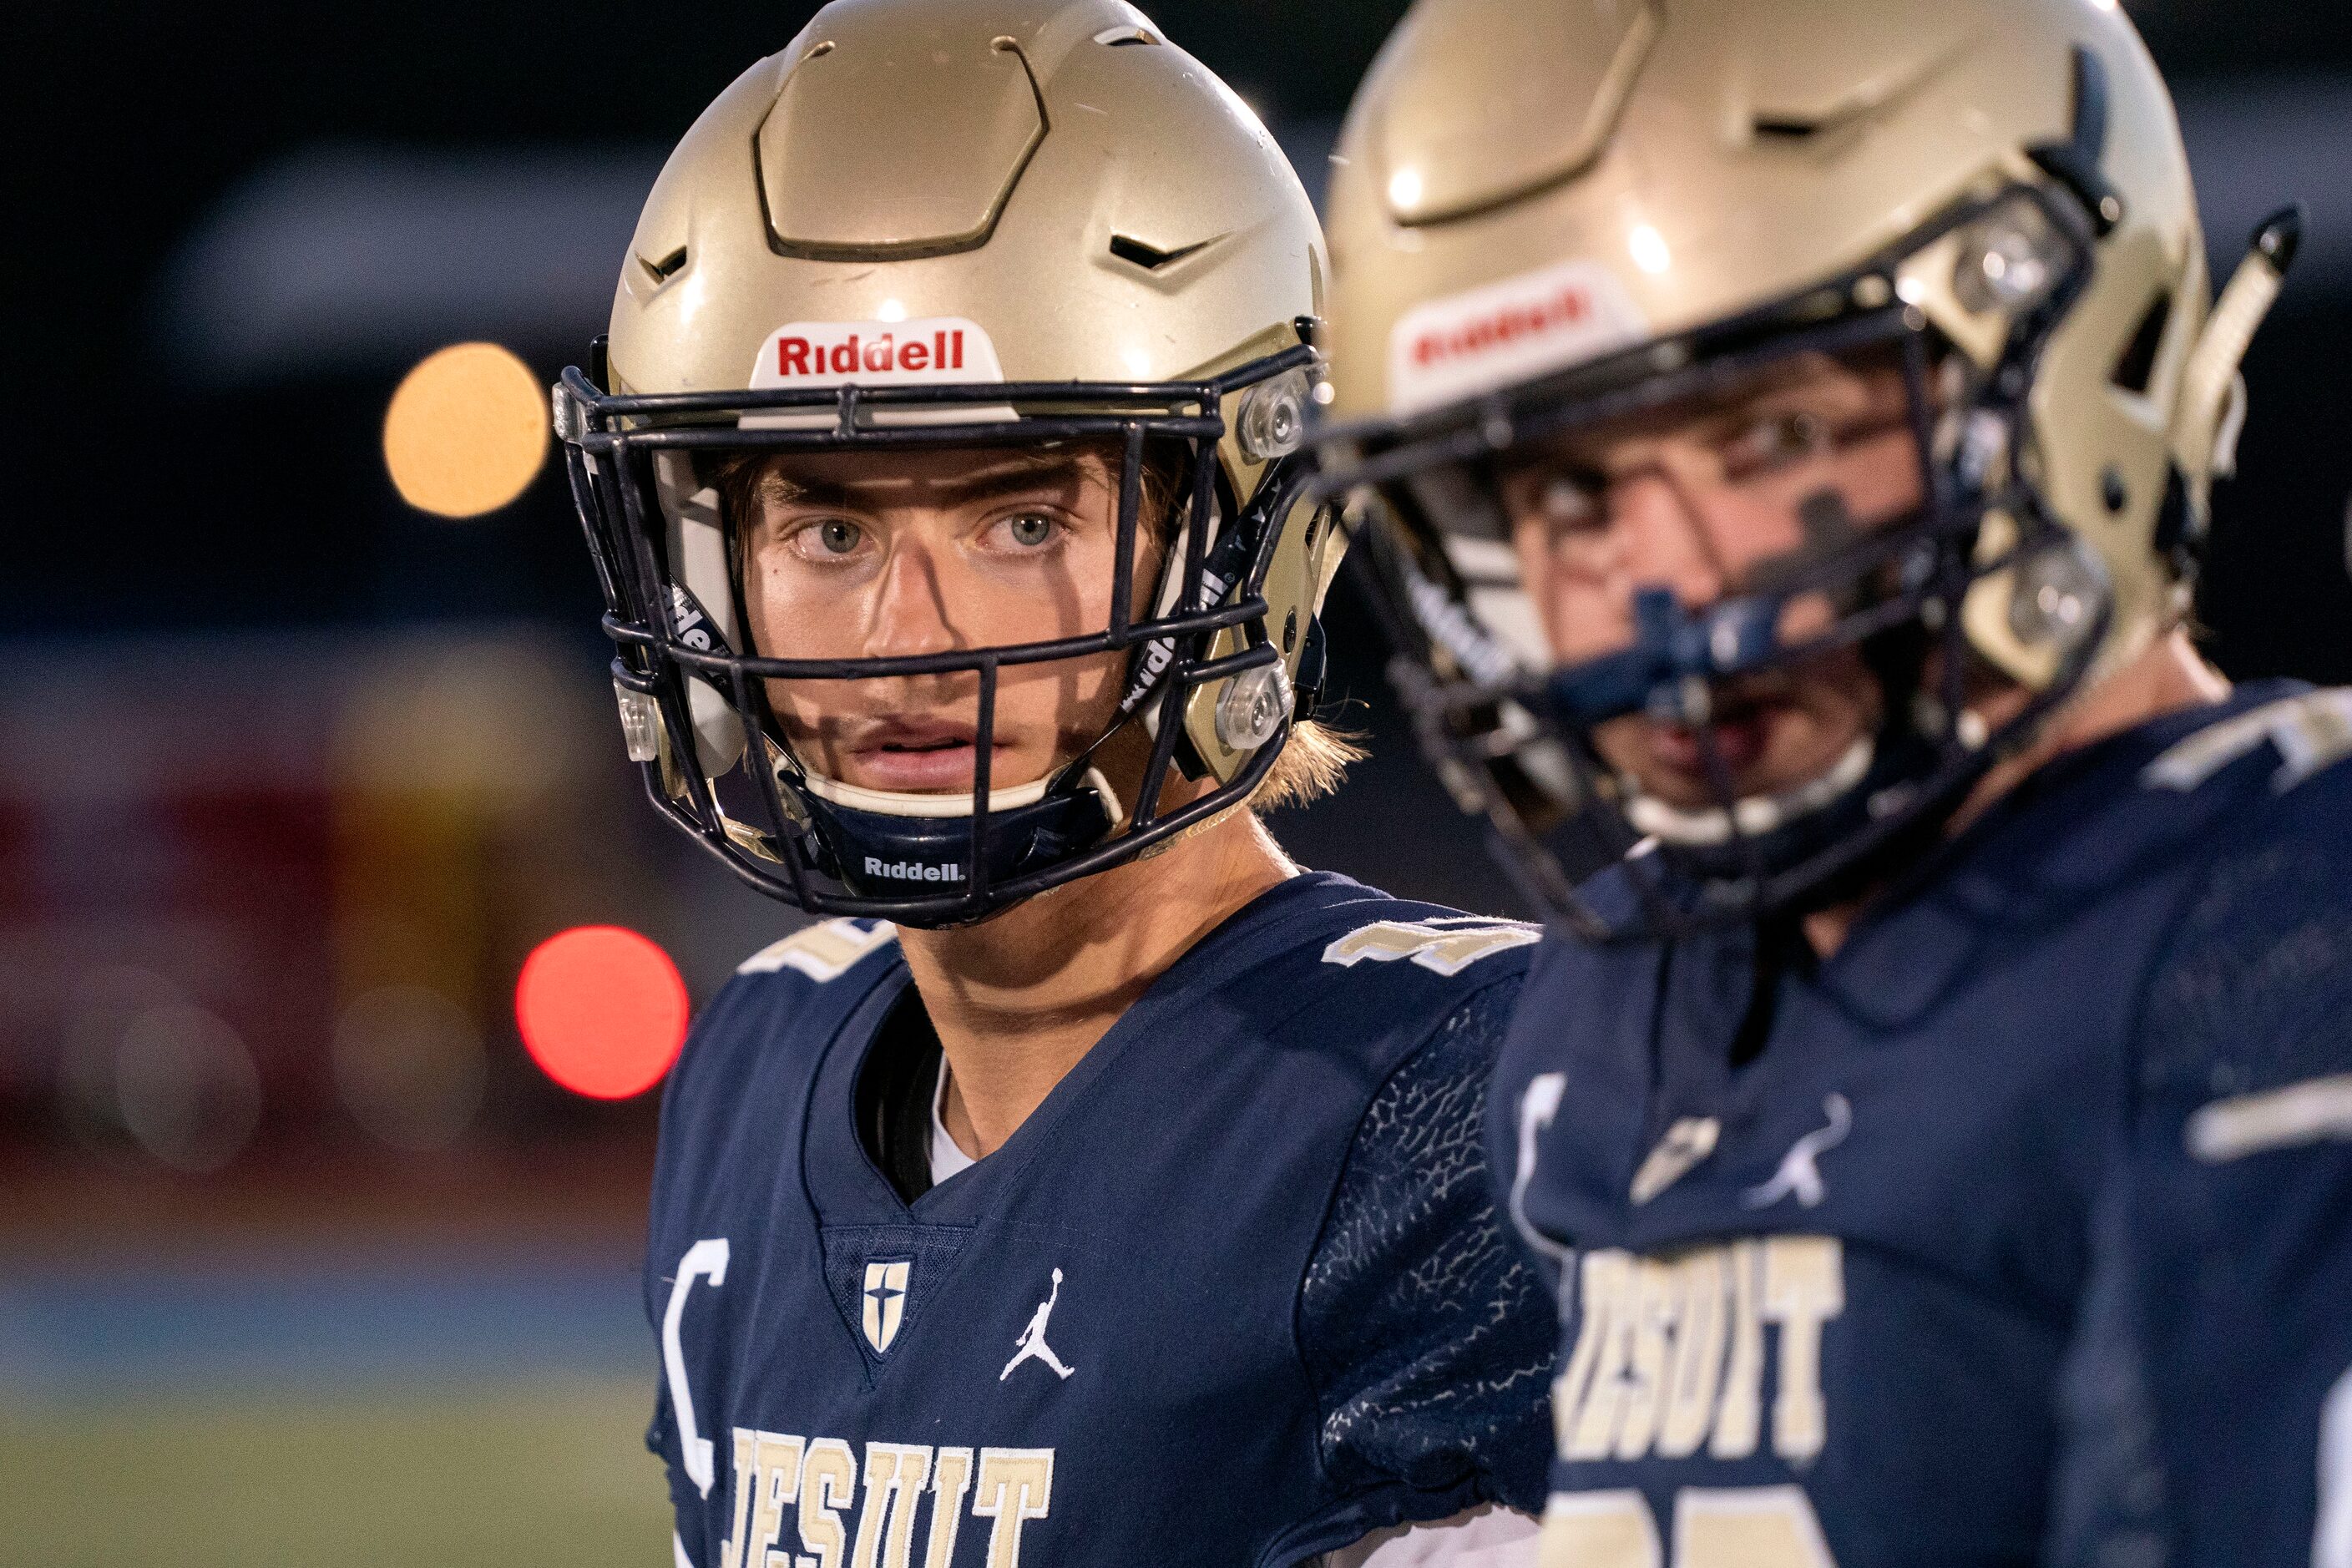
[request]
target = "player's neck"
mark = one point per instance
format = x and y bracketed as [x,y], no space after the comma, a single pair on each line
[1019,999]
[2165,677]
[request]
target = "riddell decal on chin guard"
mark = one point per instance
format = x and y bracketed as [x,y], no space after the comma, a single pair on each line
[934,350]
[1504,333]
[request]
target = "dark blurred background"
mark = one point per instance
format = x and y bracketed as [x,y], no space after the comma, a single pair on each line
[299,1253]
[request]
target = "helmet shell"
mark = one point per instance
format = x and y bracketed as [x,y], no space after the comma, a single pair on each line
[1699,162]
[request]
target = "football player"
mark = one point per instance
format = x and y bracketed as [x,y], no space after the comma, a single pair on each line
[1785,428]
[1092,1187]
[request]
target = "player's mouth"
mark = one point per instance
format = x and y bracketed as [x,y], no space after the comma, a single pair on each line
[1740,734]
[921,758]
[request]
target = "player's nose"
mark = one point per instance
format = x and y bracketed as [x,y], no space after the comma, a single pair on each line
[912,614]
[1665,538]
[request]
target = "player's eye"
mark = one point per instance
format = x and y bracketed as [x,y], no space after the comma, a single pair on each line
[1567,501]
[1564,501]
[836,536]
[1028,531]
[1775,441]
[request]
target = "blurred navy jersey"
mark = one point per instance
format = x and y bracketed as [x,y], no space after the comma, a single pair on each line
[2018,1231]
[1235,1293]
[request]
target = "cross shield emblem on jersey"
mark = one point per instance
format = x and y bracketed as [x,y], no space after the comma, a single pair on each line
[885,1299]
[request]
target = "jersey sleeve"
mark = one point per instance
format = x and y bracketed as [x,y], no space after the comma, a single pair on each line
[698,1079]
[1426,1334]
[663,1438]
[2220,1335]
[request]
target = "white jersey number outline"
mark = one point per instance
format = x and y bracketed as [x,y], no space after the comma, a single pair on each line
[2331,1538]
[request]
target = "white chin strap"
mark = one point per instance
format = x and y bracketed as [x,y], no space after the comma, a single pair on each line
[1757,814]
[895,803]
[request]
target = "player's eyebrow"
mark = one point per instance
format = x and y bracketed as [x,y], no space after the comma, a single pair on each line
[1029,475]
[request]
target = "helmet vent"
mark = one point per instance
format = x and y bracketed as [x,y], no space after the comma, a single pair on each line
[2137,365]
[1779,129]
[668,267]
[1150,258]
[1124,37]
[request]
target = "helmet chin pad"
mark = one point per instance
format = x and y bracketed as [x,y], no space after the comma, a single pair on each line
[1878,777]
[890,853]
[1752,817]
[896,802]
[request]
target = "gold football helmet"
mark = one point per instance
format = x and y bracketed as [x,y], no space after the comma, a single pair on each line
[1551,218]
[968,224]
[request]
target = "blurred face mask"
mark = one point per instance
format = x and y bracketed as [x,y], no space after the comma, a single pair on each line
[1777,491]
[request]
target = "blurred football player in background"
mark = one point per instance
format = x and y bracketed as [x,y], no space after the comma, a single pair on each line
[1784,432]
[1095,1187]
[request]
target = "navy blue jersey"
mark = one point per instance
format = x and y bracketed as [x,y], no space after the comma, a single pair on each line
[2017,1231]
[1234,1293]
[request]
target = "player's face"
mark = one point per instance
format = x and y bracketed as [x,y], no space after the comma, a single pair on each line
[852,555]
[1714,496]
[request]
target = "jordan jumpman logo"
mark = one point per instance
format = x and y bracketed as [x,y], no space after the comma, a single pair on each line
[1798,1172]
[1032,1345]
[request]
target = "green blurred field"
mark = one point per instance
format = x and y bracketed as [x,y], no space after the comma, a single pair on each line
[523,1474]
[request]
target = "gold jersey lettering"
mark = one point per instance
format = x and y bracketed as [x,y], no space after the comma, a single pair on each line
[1694,1368]
[1739,1415]
[775,1482]
[1804,1288]
[1670,1350]
[1591,1394]
[1016,1486]
[828,1480]
[949,1477]
[811,1482]
[895,1473]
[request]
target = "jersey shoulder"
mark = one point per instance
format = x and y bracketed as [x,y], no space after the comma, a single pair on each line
[1325,969]
[786,1000]
[2279,744]
[1354,928]
[1367,975]
[2256,975]
[824,952]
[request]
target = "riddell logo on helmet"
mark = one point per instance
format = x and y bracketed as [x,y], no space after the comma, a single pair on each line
[1565,309]
[937,350]
[1506,332]
[911,870]
[797,356]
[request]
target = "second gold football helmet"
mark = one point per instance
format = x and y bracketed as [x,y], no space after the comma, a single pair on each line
[1548,216]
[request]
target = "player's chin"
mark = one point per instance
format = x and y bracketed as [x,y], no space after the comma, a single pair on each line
[1771,749]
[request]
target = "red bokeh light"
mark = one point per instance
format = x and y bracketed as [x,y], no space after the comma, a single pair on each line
[603,1011]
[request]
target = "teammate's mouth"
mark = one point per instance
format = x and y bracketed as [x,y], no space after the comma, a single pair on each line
[1739,733]
[922,758]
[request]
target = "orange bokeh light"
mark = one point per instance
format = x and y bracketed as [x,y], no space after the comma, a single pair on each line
[603,1011]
